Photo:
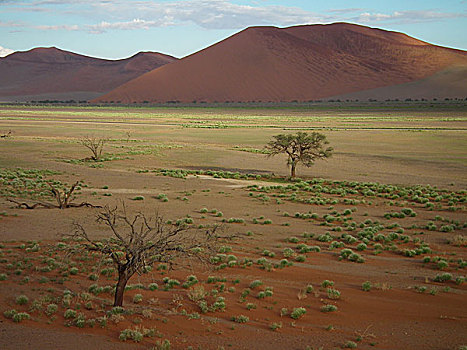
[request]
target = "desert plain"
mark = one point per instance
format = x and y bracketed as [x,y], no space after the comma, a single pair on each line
[366,249]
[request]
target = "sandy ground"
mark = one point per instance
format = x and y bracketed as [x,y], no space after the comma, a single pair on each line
[392,315]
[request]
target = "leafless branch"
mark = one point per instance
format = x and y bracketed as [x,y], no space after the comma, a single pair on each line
[63,198]
[94,144]
[8,134]
[137,241]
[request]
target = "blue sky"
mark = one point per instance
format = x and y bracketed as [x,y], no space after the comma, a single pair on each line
[117,29]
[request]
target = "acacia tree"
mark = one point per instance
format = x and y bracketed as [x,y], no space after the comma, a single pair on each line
[137,242]
[300,148]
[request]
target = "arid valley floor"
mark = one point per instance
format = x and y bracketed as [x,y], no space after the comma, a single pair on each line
[370,243]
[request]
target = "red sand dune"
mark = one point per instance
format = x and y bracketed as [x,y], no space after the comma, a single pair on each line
[51,73]
[296,63]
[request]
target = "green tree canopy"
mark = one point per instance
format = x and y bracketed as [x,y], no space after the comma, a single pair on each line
[301,147]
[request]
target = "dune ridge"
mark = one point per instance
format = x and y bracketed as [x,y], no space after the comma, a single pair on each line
[54,73]
[299,63]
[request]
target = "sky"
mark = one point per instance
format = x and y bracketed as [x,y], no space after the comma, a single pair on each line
[116,29]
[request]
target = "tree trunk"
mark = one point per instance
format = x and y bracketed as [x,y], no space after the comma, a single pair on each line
[292,169]
[123,278]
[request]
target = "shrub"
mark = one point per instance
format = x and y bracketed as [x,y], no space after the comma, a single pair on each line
[350,345]
[356,258]
[293,239]
[325,238]
[162,345]
[240,319]
[408,212]
[335,244]
[245,292]
[447,228]
[236,220]
[275,326]
[298,312]
[10,313]
[421,289]
[170,283]
[255,283]
[116,310]
[51,309]
[190,281]
[426,259]
[333,293]
[153,286]
[80,321]
[137,298]
[225,249]
[366,286]
[328,308]
[284,263]
[219,304]
[131,334]
[361,246]
[327,283]
[268,253]
[250,306]
[442,264]
[93,277]
[287,252]
[69,313]
[22,300]
[443,278]
[18,317]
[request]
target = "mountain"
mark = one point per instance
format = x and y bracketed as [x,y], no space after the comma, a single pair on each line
[54,74]
[303,63]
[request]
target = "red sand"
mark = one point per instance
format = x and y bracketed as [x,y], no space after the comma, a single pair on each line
[50,70]
[297,63]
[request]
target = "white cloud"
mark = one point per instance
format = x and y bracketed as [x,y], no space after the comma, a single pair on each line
[143,14]
[347,10]
[58,27]
[408,16]
[209,14]
[5,52]
[10,24]
[129,25]
[111,15]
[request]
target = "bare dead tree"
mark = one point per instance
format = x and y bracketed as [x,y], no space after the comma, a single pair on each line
[8,134]
[128,135]
[138,241]
[94,144]
[64,199]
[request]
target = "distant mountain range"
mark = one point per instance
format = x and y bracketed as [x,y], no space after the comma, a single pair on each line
[262,64]
[54,74]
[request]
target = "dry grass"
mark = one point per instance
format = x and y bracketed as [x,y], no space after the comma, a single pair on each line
[459,241]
